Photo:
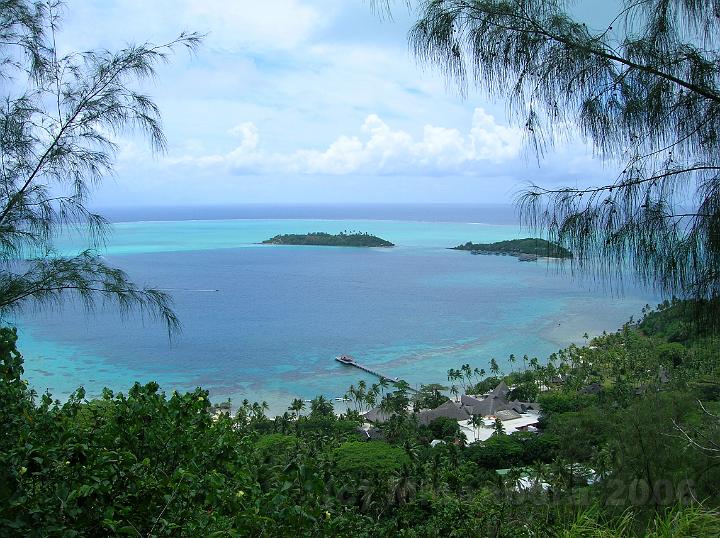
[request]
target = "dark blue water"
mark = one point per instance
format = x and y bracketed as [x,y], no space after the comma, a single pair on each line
[281,314]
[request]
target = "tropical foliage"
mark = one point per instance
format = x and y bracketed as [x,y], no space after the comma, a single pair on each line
[636,457]
[629,436]
[644,92]
[343,239]
[530,245]
[59,118]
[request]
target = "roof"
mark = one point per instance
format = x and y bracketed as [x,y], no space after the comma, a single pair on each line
[447,410]
[377,416]
[496,401]
[592,388]
[375,434]
[484,433]
[371,434]
[524,407]
[507,414]
[486,406]
[501,391]
[469,401]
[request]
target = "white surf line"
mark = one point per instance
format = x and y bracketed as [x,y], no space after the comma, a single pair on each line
[187,289]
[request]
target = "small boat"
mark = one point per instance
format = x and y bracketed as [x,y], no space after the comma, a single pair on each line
[346,359]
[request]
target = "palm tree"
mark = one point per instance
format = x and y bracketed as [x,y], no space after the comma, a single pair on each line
[511,360]
[412,449]
[467,375]
[351,395]
[499,428]
[403,486]
[321,406]
[259,409]
[384,383]
[494,366]
[242,413]
[370,400]
[396,402]
[550,373]
[296,406]
[477,422]
[352,415]
[454,391]
[283,422]
[360,396]
[369,491]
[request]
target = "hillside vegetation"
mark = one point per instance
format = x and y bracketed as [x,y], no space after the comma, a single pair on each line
[635,456]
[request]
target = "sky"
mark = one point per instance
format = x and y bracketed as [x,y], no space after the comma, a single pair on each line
[309,101]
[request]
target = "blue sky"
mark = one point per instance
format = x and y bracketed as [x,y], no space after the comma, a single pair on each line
[309,101]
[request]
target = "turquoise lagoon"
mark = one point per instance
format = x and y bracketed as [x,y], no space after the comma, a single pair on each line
[265,322]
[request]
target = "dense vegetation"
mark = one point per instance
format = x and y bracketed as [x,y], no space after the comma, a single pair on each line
[628,446]
[517,247]
[343,239]
[630,434]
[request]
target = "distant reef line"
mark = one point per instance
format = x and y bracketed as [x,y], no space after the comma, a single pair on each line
[528,249]
[343,239]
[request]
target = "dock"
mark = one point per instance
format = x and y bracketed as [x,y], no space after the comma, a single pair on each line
[350,361]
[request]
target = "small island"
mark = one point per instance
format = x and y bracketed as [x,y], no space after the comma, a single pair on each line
[343,239]
[526,250]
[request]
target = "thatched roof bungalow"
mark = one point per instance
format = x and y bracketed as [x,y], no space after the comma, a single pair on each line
[485,407]
[496,401]
[446,410]
[377,416]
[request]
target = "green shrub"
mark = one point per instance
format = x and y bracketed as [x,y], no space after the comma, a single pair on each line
[446,429]
[275,446]
[563,402]
[369,458]
[496,453]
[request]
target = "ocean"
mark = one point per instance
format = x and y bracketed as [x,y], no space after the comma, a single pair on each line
[266,322]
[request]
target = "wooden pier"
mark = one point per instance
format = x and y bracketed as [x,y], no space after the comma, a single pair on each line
[348,360]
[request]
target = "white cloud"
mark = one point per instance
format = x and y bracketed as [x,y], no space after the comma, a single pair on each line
[492,141]
[231,25]
[332,104]
[284,25]
[249,135]
[380,150]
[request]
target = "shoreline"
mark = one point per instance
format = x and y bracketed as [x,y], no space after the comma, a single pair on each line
[278,400]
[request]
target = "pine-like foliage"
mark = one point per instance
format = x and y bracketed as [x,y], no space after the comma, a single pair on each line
[58,119]
[643,92]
